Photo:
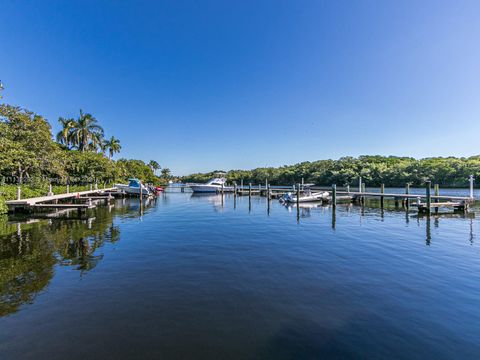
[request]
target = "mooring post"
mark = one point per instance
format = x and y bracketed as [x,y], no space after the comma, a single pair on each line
[334,195]
[241,184]
[407,192]
[348,189]
[436,189]
[268,192]
[50,190]
[382,190]
[360,184]
[19,193]
[362,190]
[249,192]
[223,189]
[428,185]
[140,197]
[298,194]
[68,189]
[234,189]
[471,179]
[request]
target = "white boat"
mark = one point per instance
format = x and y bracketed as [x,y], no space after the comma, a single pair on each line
[308,196]
[212,186]
[133,187]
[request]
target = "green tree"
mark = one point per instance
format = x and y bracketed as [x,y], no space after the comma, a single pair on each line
[87,134]
[26,145]
[113,146]
[154,165]
[166,173]
[64,136]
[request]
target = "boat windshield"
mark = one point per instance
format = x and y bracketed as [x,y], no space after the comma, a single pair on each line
[133,183]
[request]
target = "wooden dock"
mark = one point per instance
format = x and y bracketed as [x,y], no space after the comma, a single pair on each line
[77,200]
[425,203]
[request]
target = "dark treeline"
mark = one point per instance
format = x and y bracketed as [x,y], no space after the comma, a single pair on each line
[392,171]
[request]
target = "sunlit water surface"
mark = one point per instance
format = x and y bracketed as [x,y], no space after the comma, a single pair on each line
[198,277]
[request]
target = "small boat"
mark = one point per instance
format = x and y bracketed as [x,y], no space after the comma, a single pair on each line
[134,187]
[308,196]
[212,186]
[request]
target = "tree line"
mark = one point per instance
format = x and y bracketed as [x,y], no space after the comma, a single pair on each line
[392,171]
[80,154]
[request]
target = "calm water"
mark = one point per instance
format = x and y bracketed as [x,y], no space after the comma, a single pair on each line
[198,277]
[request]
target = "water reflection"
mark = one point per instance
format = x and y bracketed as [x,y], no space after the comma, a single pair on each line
[30,249]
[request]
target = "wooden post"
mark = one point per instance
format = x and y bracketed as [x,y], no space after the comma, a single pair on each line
[19,192]
[471,179]
[360,184]
[382,190]
[223,189]
[334,195]
[363,192]
[298,195]
[249,192]
[428,195]
[241,184]
[68,188]
[140,197]
[268,192]
[436,189]
[348,189]
[407,192]
[50,191]
[234,189]
[298,202]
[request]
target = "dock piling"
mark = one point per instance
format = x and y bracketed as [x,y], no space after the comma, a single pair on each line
[428,195]
[382,191]
[19,192]
[334,195]
[471,179]
[436,189]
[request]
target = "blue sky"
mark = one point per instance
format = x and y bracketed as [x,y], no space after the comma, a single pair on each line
[204,85]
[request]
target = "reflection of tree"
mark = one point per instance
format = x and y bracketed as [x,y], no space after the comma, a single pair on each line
[26,267]
[28,252]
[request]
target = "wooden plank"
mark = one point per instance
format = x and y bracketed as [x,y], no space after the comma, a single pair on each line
[41,199]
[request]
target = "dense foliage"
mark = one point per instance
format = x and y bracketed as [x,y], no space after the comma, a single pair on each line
[374,170]
[81,155]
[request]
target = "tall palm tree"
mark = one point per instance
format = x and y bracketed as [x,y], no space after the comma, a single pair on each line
[113,146]
[154,165]
[86,132]
[64,135]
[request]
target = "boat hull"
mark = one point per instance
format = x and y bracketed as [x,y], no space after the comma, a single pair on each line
[209,188]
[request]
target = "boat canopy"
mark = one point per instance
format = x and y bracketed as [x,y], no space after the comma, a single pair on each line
[134,183]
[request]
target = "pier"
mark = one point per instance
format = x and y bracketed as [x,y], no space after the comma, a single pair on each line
[77,200]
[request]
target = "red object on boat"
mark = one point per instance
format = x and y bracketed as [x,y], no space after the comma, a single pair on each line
[158,189]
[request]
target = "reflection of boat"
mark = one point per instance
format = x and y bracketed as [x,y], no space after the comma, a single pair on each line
[212,186]
[308,196]
[133,187]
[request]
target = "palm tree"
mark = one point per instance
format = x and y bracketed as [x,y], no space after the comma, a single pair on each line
[166,173]
[154,165]
[113,146]
[64,135]
[86,132]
